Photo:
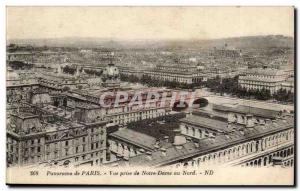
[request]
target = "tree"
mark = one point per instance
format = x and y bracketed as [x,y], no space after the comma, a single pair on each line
[65,88]
[80,86]
[283,95]
[69,70]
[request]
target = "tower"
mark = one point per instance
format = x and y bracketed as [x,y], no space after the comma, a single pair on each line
[111,75]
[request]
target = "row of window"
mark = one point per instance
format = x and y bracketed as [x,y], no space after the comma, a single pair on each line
[191,131]
[243,149]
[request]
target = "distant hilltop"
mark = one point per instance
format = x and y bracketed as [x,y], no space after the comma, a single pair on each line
[267,41]
[256,41]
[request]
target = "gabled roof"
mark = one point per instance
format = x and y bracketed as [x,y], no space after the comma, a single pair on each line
[135,138]
[265,72]
[206,122]
[261,112]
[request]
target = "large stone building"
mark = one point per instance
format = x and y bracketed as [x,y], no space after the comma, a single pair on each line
[288,85]
[36,136]
[142,137]
[217,140]
[54,125]
[263,78]
[176,73]
[226,52]
[88,106]
[132,71]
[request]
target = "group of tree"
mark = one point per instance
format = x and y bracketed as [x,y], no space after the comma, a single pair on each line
[158,127]
[219,85]
[148,80]
[129,78]
[20,65]
[69,70]
[231,86]
[93,72]
[284,95]
[263,94]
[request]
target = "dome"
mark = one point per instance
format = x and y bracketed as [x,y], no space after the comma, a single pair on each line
[111,71]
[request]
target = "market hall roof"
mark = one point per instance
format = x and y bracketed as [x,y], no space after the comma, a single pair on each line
[208,123]
[244,109]
[205,146]
[135,138]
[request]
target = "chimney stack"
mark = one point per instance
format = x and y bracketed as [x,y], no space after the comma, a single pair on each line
[242,131]
[157,144]
[261,122]
[179,140]
[163,151]
[166,138]
[229,125]
[268,121]
[249,121]
[211,136]
[149,155]
[189,139]
[141,150]
[126,159]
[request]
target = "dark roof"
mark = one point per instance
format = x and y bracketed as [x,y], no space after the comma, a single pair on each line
[40,91]
[135,138]
[209,123]
[24,115]
[265,72]
[212,114]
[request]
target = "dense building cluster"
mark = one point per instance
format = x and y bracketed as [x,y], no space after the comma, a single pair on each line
[222,135]
[61,108]
[269,79]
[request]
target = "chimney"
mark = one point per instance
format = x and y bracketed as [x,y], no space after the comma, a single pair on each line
[163,151]
[229,125]
[149,155]
[268,121]
[141,150]
[274,123]
[166,138]
[211,137]
[227,135]
[157,144]
[231,118]
[179,140]
[188,139]
[242,131]
[126,159]
[249,121]
[261,122]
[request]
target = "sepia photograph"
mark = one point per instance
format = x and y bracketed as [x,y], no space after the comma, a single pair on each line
[130,95]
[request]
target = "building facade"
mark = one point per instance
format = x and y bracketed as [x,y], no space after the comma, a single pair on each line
[259,79]
[175,73]
[206,141]
[37,137]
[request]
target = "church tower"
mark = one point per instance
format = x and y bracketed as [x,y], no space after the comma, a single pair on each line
[111,75]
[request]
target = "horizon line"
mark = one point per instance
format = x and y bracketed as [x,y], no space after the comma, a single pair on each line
[145,39]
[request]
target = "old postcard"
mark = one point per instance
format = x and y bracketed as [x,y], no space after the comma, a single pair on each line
[150,95]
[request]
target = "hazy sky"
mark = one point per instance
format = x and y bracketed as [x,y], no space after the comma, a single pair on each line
[148,22]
